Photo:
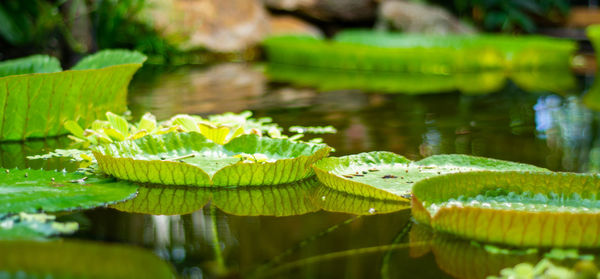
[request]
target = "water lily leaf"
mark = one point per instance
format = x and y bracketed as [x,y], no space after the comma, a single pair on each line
[79,259]
[278,200]
[385,175]
[29,65]
[33,226]
[36,105]
[335,201]
[190,159]
[51,191]
[514,208]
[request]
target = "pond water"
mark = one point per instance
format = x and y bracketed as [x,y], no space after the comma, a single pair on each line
[313,232]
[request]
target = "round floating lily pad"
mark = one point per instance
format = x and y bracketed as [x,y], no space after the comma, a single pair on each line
[192,160]
[385,175]
[51,191]
[514,208]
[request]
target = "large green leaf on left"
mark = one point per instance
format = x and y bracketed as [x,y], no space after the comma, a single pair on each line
[35,99]
[385,175]
[52,191]
[190,159]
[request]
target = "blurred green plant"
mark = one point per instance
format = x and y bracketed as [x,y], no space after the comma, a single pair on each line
[510,15]
[116,25]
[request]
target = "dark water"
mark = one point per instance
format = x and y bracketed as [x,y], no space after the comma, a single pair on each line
[323,234]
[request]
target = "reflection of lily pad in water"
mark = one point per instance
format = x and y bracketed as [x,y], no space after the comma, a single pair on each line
[189,159]
[51,191]
[386,82]
[78,259]
[37,100]
[385,175]
[270,200]
[329,199]
[464,259]
[514,208]
[290,199]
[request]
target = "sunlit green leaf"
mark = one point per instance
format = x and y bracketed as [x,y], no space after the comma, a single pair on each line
[191,159]
[36,105]
[385,175]
[514,208]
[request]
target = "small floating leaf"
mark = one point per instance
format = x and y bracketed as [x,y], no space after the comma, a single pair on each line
[146,160]
[33,226]
[514,208]
[51,191]
[385,175]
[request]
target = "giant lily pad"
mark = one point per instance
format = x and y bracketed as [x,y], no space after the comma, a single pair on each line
[79,259]
[514,208]
[50,191]
[332,200]
[385,175]
[192,160]
[35,99]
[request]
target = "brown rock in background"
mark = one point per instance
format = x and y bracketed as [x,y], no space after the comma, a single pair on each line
[217,25]
[329,10]
[416,17]
[280,25]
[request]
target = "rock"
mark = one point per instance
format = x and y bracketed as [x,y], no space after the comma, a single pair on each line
[217,25]
[417,17]
[280,25]
[329,10]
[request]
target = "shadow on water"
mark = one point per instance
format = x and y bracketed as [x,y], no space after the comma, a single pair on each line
[305,230]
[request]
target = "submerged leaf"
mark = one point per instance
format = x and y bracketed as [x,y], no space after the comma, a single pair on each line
[51,191]
[36,105]
[385,175]
[33,226]
[514,208]
[192,160]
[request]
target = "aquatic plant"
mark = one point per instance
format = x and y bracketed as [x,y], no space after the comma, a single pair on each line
[189,158]
[36,98]
[593,33]
[361,50]
[385,175]
[512,207]
[52,191]
[33,226]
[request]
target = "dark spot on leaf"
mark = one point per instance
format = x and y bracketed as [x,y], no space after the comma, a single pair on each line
[372,170]
[388,176]
[347,176]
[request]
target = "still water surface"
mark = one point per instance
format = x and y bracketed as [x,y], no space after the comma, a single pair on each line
[308,231]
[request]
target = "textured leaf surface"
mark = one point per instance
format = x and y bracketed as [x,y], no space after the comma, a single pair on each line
[385,175]
[30,65]
[36,105]
[78,259]
[192,160]
[278,200]
[515,208]
[35,190]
